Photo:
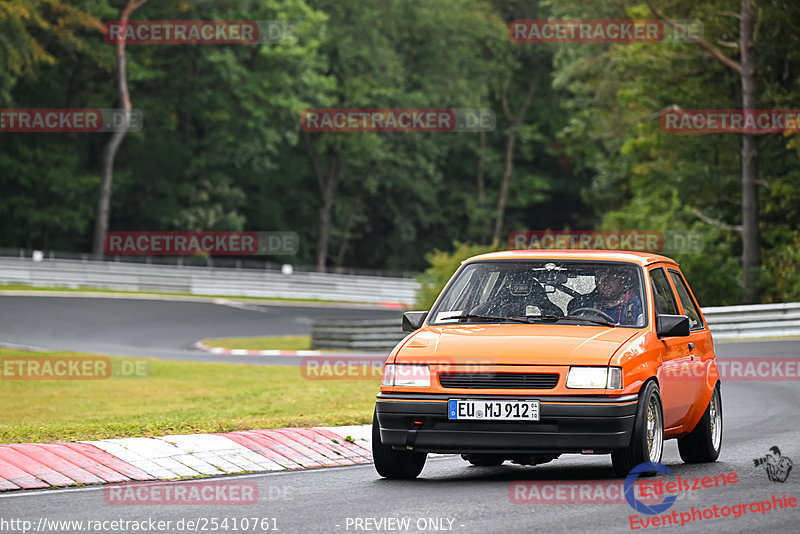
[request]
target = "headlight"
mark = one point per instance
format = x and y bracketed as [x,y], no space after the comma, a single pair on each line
[401,375]
[595,377]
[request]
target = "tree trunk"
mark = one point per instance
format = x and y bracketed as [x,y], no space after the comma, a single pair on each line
[751,236]
[328,193]
[481,163]
[111,148]
[327,182]
[511,139]
[508,170]
[746,69]
[351,218]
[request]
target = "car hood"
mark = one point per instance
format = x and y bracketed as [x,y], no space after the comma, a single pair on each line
[514,344]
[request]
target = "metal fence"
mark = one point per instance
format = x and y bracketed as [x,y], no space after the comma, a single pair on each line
[755,321]
[379,335]
[225,262]
[121,276]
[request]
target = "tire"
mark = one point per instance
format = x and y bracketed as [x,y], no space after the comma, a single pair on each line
[390,463]
[703,443]
[483,460]
[647,438]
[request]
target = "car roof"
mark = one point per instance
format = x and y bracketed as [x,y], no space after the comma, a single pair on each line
[640,258]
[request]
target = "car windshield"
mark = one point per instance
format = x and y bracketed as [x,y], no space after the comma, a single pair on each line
[565,292]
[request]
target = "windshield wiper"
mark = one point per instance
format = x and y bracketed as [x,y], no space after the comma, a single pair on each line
[489,317]
[556,318]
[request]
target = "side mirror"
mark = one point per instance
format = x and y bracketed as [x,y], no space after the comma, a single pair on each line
[672,325]
[412,320]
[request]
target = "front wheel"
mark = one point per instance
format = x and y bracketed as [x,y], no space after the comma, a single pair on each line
[390,463]
[704,442]
[647,439]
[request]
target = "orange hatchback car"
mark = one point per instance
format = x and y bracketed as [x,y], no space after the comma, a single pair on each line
[527,355]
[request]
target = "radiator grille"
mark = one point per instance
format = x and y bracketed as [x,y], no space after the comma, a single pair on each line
[499,380]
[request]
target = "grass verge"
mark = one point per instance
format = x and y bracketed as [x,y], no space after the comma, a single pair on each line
[176,398]
[261,343]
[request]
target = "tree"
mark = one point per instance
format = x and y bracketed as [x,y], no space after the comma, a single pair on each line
[398,54]
[25,28]
[114,142]
[746,69]
[645,178]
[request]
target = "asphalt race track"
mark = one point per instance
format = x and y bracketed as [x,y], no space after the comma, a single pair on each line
[757,416]
[163,329]
[450,494]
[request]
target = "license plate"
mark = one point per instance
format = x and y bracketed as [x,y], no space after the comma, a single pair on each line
[491,410]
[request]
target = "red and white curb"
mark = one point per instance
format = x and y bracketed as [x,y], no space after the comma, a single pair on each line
[247,352]
[44,465]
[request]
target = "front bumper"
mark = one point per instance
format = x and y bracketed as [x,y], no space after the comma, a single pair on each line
[566,424]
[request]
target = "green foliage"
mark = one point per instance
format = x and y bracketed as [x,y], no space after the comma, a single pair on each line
[781,265]
[28,28]
[222,148]
[442,267]
[645,178]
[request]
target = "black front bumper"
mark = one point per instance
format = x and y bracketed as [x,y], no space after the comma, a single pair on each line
[566,424]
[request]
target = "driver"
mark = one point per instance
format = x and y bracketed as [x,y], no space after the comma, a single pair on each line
[614,297]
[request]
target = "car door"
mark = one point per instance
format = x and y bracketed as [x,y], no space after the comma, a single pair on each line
[677,389]
[701,348]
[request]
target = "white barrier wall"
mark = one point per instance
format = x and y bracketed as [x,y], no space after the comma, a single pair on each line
[208,280]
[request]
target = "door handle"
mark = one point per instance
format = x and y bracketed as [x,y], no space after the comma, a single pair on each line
[691,348]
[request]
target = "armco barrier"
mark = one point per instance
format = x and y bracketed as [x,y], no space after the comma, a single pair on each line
[728,322]
[207,280]
[754,321]
[378,335]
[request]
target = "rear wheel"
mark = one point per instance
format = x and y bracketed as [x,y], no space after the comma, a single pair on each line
[704,442]
[483,460]
[390,463]
[647,439]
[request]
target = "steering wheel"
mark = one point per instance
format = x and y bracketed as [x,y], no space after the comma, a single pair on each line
[600,313]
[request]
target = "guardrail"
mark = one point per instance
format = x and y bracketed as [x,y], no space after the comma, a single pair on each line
[754,321]
[379,335]
[726,322]
[244,282]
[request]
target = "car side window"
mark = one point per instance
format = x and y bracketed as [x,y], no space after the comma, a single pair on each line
[665,300]
[695,322]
